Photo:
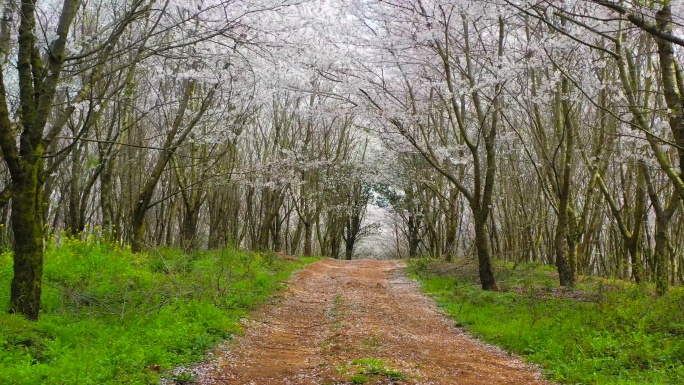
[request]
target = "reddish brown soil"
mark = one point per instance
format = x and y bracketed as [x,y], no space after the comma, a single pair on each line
[335,312]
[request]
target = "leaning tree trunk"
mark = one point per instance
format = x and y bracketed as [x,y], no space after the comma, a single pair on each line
[174,138]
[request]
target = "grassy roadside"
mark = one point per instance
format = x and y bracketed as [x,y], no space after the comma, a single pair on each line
[112,317]
[603,332]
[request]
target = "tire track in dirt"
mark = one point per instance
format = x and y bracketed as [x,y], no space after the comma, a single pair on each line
[335,313]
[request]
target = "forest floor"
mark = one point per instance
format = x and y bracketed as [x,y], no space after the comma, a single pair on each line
[356,322]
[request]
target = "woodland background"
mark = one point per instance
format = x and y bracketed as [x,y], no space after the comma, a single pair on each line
[544,131]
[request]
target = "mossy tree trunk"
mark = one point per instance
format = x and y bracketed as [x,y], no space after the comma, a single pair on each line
[23,148]
[26,142]
[485,267]
[27,225]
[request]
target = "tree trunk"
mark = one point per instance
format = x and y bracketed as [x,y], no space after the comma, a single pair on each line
[352,230]
[217,229]
[486,270]
[37,89]
[662,256]
[451,225]
[560,245]
[638,221]
[335,246]
[308,239]
[74,193]
[349,239]
[566,272]
[413,236]
[276,237]
[138,232]
[27,225]
[189,229]
[265,230]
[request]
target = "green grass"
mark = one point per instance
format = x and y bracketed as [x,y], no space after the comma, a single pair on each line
[374,367]
[366,369]
[605,332]
[112,317]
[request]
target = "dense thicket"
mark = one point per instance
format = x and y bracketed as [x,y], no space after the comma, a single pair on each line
[522,130]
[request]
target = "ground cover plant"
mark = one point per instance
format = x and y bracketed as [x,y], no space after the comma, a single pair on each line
[113,317]
[606,332]
[363,370]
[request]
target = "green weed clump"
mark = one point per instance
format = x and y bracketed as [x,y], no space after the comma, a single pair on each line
[113,317]
[375,367]
[607,333]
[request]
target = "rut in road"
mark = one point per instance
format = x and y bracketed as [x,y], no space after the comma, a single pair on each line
[345,321]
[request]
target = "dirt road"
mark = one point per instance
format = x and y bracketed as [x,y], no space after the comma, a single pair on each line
[358,322]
